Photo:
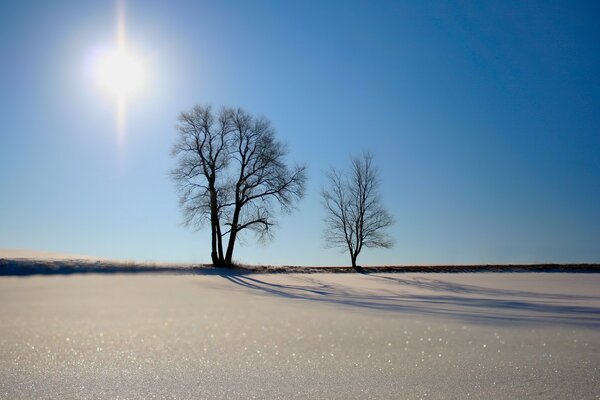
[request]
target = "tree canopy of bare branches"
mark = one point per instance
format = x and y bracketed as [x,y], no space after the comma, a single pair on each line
[231,173]
[355,218]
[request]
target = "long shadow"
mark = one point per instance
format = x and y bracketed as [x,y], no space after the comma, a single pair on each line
[453,287]
[448,300]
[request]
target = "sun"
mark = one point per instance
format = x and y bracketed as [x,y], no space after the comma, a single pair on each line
[118,69]
[119,72]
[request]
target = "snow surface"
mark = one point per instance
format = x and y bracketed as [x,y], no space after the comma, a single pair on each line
[338,336]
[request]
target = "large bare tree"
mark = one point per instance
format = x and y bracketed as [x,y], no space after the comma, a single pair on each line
[355,218]
[232,173]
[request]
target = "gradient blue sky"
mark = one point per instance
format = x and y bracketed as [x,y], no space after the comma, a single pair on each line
[483,118]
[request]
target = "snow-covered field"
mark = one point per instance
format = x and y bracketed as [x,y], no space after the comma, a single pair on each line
[407,336]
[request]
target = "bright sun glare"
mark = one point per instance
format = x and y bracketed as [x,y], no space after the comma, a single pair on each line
[119,72]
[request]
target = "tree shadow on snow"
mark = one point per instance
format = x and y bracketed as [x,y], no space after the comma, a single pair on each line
[436,297]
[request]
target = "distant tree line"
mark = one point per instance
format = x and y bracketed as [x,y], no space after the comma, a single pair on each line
[231,173]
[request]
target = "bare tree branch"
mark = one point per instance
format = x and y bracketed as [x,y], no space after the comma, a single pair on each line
[354,218]
[232,171]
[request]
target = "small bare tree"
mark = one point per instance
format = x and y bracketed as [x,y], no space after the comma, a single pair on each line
[355,217]
[231,171]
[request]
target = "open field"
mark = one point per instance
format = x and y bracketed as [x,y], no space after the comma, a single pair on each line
[237,335]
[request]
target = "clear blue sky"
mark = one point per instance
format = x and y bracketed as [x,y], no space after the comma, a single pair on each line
[483,118]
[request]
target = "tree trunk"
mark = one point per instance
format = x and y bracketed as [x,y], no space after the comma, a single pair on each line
[232,236]
[230,246]
[216,240]
[213,243]
[354,257]
[220,244]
